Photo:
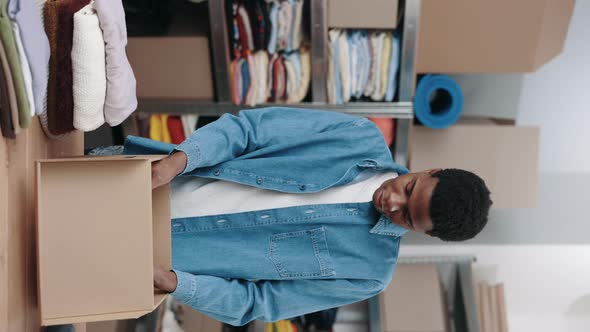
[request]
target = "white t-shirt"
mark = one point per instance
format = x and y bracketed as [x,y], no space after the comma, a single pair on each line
[195,197]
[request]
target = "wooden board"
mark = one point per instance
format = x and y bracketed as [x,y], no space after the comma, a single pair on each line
[18,265]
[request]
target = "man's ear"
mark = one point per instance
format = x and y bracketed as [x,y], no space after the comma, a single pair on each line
[433,170]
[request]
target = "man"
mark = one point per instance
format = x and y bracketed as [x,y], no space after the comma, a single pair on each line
[280,212]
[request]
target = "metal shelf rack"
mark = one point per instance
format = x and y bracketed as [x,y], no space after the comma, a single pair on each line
[402,110]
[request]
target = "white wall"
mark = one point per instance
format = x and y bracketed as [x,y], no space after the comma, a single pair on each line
[557,98]
[547,286]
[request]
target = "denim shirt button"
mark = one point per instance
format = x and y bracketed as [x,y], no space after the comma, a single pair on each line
[302,187]
[259,180]
[217,172]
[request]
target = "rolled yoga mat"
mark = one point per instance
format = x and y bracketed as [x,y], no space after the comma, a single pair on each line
[438,101]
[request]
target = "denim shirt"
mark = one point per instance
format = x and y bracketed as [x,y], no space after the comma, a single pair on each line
[280,263]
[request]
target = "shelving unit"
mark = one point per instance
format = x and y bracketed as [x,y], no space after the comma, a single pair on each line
[402,110]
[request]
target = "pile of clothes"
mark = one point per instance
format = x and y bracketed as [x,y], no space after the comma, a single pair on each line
[362,65]
[270,58]
[65,61]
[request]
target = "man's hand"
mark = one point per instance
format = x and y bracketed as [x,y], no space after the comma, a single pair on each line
[163,171]
[164,280]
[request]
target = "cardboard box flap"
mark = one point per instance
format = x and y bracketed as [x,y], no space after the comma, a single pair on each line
[104,158]
[97,225]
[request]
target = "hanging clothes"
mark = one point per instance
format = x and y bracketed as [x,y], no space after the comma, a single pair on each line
[88,70]
[8,40]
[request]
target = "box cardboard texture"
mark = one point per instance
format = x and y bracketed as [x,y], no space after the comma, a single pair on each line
[376,14]
[466,36]
[504,156]
[414,300]
[177,68]
[100,230]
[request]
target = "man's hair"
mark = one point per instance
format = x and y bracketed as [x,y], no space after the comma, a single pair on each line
[459,206]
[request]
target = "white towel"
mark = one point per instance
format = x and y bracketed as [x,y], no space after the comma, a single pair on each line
[88,70]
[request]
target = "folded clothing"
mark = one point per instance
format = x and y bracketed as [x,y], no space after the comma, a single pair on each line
[7,97]
[25,68]
[36,47]
[362,64]
[88,70]
[64,121]
[8,40]
[121,96]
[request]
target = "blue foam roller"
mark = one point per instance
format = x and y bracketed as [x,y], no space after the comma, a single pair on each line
[443,111]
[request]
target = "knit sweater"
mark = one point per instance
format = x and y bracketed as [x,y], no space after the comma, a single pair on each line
[88,70]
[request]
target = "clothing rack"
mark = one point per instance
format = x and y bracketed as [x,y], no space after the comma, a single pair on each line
[402,110]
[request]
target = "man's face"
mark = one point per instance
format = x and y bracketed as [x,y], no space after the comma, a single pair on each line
[405,200]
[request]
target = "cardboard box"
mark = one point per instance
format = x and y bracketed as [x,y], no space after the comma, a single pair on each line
[376,14]
[414,300]
[100,230]
[465,36]
[176,68]
[504,155]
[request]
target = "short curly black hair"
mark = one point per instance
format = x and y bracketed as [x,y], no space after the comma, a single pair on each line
[459,205]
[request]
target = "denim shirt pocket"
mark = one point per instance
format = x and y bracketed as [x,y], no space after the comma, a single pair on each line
[301,254]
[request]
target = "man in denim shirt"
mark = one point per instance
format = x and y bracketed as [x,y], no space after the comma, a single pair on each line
[279,212]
